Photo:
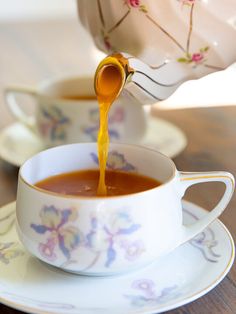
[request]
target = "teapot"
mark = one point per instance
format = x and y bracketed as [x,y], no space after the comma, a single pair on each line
[164,43]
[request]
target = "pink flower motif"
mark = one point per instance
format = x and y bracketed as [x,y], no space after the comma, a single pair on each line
[136,4]
[117,116]
[147,286]
[133,3]
[133,250]
[197,57]
[47,249]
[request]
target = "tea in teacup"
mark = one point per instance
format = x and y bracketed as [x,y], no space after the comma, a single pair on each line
[84,183]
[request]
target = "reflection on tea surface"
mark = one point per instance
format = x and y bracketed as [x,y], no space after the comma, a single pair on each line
[84,183]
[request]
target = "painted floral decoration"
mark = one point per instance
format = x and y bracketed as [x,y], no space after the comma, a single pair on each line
[133,3]
[116,161]
[54,123]
[132,249]
[148,295]
[110,234]
[116,117]
[9,251]
[195,58]
[205,242]
[55,223]
[107,236]
[136,4]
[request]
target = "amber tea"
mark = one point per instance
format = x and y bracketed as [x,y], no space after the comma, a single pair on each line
[85,182]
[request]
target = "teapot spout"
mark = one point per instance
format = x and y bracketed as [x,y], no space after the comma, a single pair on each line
[145,83]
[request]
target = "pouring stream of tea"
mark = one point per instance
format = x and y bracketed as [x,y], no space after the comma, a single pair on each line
[108,84]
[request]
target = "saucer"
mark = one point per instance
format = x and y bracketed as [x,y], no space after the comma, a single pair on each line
[164,137]
[18,143]
[184,275]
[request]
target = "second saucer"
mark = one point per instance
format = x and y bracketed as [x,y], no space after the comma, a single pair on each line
[18,143]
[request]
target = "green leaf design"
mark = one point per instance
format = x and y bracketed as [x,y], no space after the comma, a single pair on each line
[183,60]
[204,49]
[143,8]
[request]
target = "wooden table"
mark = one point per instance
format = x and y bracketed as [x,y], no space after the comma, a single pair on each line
[30,52]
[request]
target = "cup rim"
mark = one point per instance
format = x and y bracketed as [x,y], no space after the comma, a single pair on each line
[96,198]
[57,79]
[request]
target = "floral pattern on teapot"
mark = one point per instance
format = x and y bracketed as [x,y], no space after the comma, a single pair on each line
[189,47]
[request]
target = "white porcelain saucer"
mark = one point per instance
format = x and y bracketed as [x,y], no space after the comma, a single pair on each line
[164,137]
[17,143]
[179,278]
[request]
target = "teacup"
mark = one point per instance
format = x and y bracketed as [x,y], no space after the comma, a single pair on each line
[67,112]
[108,235]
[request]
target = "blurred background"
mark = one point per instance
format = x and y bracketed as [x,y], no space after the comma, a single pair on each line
[29,47]
[36,9]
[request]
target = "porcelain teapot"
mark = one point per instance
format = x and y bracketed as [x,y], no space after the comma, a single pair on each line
[164,42]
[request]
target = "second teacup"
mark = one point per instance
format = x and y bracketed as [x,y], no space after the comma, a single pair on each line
[67,112]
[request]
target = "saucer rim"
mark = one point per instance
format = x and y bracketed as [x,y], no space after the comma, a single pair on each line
[174,305]
[3,133]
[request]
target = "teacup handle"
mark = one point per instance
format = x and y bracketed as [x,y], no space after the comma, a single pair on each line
[189,178]
[10,97]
